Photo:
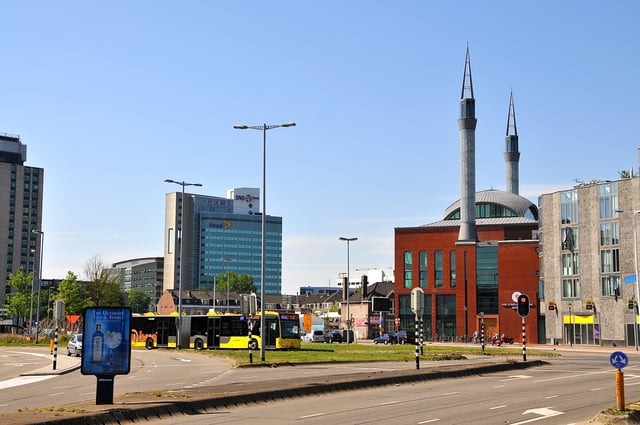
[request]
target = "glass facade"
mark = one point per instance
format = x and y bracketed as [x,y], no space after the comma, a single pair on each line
[487,279]
[234,241]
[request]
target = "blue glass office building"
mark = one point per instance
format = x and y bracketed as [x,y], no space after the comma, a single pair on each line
[221,235]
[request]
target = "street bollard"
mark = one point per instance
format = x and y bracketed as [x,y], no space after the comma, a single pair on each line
[620,391]
[55,349]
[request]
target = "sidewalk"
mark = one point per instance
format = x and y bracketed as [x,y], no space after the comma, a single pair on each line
[64,364]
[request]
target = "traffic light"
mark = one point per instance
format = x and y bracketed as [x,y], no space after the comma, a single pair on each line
[523,305]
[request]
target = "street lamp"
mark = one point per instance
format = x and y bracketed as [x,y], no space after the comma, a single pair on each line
[228,260]
[635,263]
[348,240]
[264,128]
[41,233]
[179,320]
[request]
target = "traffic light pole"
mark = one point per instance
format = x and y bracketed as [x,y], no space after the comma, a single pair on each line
[524,342]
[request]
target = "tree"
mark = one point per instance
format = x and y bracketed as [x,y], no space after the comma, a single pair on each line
[18,301]
[139,301]
[625,174]
[72,293]
[241,284]
[103,285]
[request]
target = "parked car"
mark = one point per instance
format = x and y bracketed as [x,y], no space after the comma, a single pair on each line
[385,339]
[333,336]
[405,337]
[313,336]
[75,345]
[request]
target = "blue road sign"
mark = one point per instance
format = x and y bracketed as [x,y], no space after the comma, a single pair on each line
[618,359]
[630,279]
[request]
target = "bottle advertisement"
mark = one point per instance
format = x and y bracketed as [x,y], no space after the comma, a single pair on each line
[107,344]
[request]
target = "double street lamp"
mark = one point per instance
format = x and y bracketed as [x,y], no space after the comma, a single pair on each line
[228,260]
[348,241]
[41,233]
[263,128]
[179,321]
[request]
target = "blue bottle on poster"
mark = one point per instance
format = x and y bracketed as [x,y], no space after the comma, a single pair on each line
[97,342]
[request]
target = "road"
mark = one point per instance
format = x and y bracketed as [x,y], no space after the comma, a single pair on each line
[571,390]
[150,371]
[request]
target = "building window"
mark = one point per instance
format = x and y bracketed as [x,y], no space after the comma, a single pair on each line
[452,268]
[407,269]
[437,267]
[610,261]
[423,269]
[487,279]
[569,238]
[570,288]
[608,194]
[570,264]
[569,206]
[610,286]
[609,233]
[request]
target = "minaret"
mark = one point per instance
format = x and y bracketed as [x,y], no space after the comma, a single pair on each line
[467,125]
[511,154]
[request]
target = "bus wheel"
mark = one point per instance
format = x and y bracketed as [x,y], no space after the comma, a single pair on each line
[253,344]
[149,344]
[197,344]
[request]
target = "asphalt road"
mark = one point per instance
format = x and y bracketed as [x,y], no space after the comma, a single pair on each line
[569,390]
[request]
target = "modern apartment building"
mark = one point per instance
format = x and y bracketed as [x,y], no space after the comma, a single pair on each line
[21,190]
[221,235]
[142,274]
[588,240]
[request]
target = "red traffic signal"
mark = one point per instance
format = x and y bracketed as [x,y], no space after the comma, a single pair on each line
[523,305]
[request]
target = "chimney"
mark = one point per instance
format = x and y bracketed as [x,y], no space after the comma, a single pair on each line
[364,281]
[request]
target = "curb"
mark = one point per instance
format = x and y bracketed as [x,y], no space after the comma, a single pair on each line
[261,392]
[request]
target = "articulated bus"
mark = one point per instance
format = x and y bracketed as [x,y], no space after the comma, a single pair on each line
[216,331]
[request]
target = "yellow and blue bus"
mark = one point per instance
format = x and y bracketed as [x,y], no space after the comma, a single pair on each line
[217,331]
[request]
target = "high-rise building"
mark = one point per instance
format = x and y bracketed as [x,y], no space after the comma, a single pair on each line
[21,190]
[221,235]
[142,274]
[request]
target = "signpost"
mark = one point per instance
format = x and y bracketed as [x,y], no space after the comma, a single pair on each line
[417,306]
[618,359]
[523,311]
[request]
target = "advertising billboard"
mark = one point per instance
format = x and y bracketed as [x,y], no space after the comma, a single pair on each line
[107,341]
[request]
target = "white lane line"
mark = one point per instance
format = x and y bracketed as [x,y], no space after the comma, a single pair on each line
[451,393]
[498,407]
[311,416]
[428,421]
[552,396]
[23,380]
[389,402]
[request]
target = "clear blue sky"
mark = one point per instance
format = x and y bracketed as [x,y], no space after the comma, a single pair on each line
[112,98]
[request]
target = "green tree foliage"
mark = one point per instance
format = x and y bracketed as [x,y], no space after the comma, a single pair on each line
[139,301]
[624,174]
[72,293]
[18,300]
[103,285]
[241,284]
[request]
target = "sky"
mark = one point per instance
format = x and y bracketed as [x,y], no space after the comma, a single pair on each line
[112,98]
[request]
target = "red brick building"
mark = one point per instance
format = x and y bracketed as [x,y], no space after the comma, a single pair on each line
[471,263]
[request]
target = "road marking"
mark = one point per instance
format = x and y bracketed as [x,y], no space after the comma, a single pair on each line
[311,416]
[428,421]
[23,380]
[498,407]
[544,412]
[515,377]
[389,402]
[451,393]
[552,396]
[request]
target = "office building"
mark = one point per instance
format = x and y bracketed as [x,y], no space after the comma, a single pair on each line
[144,275]
[21,190]
[221,235]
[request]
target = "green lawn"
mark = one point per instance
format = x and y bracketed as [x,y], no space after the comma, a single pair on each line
[328,353]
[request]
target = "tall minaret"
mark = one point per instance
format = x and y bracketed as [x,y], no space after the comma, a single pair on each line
[467,125]
[511,154]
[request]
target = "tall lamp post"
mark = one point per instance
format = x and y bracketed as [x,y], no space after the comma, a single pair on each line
[179,321]
[228,260]
[348,240]
[263,128]
[635,263]
[41,233]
